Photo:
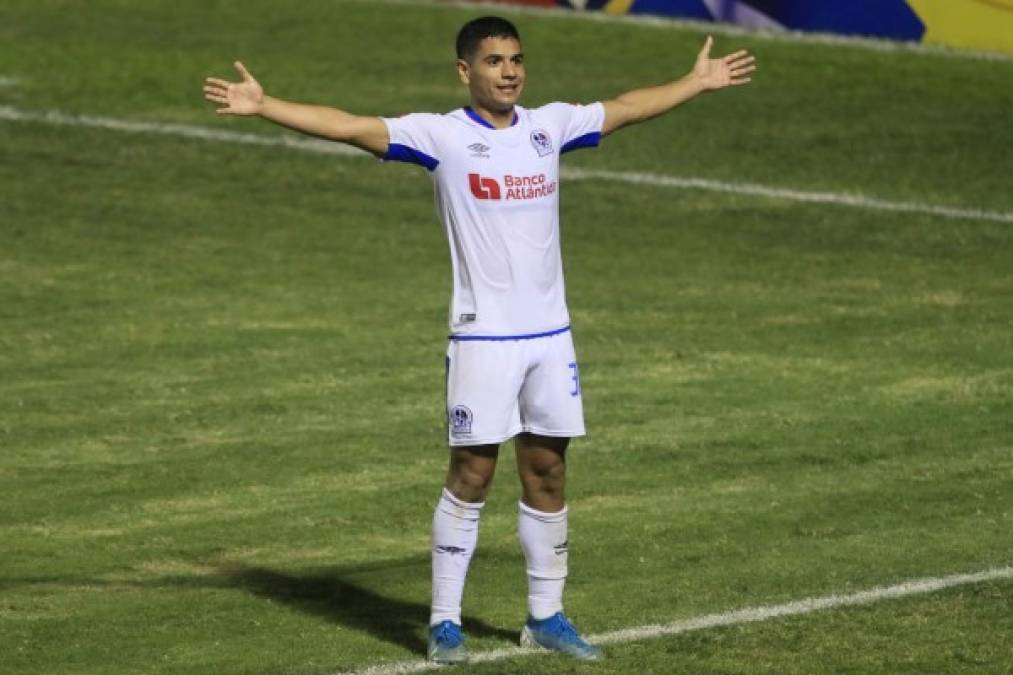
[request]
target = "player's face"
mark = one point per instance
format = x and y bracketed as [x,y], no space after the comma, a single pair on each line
[495,76]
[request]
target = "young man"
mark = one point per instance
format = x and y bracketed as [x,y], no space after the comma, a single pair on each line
[511,369]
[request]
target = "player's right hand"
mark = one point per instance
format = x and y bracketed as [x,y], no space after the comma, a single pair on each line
[237,98]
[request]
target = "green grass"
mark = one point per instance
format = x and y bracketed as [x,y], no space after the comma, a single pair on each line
[221,431]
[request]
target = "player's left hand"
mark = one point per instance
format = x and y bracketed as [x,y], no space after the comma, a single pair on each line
[728,71]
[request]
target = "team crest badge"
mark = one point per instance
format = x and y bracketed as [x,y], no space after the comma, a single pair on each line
[460,420]
[542,142]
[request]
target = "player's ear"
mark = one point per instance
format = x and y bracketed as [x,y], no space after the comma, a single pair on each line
[464,71]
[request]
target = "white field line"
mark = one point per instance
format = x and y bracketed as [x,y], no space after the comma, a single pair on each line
[736,617]
[715,28]
[8,81]
[9,113]
[752,189]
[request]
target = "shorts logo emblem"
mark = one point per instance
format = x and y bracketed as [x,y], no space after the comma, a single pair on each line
[542,142]
[460,420]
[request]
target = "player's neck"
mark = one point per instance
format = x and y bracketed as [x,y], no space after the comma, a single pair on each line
[500,120]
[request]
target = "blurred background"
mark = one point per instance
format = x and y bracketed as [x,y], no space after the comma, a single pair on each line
[975,24]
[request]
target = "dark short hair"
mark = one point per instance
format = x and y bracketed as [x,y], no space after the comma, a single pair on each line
[476,30]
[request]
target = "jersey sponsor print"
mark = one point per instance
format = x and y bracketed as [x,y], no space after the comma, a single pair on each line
[515,187]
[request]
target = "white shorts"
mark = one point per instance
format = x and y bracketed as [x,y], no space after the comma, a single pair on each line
[498,388]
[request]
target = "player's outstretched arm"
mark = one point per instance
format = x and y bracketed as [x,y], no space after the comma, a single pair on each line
[707,75]
[247,97]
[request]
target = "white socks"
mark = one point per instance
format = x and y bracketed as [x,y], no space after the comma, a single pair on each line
[455,534]
[544,540]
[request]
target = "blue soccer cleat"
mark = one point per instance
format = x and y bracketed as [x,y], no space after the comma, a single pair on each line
[558,635]
[446,644]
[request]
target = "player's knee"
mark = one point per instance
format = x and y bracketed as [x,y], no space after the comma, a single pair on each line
[546,477]
[469,484]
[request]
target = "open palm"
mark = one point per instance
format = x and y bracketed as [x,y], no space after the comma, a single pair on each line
[727,71]
[237,98]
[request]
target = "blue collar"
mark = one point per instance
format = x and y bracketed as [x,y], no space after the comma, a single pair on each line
[481,120]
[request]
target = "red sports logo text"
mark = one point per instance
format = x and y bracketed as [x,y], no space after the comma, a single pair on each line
[517,187]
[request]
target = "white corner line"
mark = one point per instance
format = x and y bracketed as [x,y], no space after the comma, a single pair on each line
[732,618]
[11,114]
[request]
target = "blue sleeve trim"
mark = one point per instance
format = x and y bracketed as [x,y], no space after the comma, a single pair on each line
[402,153]
[590,140]
[497,338]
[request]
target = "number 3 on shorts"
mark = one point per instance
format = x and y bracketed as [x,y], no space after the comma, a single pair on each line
[576,379]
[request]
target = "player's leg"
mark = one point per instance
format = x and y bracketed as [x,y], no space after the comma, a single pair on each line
[551,413]
[543,530]
[541,465]
[471,470]
[482,387]
[542,522]
[550,410]
[455,536]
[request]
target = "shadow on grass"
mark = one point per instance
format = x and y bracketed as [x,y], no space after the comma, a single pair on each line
[327,594]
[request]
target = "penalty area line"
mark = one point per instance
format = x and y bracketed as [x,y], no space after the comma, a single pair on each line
[194,132]
[732,618]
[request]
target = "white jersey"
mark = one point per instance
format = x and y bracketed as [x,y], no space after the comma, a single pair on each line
[497,193]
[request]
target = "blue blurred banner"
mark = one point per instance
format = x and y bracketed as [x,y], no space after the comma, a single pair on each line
[978,24]
[893,19]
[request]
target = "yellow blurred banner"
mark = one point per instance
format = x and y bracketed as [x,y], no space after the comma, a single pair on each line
[976,24]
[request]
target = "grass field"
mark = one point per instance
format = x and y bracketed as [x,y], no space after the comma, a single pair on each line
[221,365]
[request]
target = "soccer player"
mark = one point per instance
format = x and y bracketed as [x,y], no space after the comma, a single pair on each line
[511,368]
